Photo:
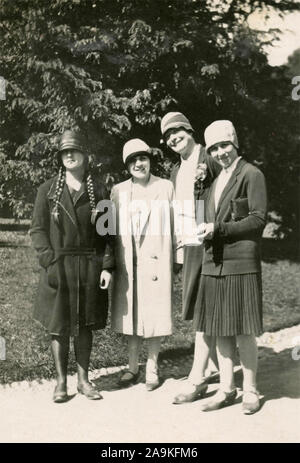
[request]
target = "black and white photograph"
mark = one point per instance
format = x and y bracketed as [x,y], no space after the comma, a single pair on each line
[149,224]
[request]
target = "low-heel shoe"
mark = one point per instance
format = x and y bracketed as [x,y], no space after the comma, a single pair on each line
[152,381]
[198,392]
[128,378]
[216,404]
[250,407]
[89,391]
[60,394]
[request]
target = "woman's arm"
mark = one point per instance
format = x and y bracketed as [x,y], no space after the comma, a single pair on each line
[253,223]
[109,255]
[40,228]
[257,203]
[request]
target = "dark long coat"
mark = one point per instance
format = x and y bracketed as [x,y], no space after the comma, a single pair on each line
[193,255]
[235,247]
[71,256]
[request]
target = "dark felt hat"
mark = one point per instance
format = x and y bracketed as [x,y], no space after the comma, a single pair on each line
[71,140]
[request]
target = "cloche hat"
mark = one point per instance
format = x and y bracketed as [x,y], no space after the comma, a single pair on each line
[174,120]
[220,131]
[134,147]
[72,140]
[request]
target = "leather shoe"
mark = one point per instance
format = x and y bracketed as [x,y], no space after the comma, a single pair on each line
[198,392]
[128,378]
[220,400]
[89,390]
[250,406]
[60,394]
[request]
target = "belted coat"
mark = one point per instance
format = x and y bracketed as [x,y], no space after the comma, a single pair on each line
[71,256]
[144,292]
[193,255]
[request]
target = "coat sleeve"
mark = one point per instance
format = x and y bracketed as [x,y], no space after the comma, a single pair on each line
[257,203]
[40,228]
[175,241]
[109,255]
[176,225]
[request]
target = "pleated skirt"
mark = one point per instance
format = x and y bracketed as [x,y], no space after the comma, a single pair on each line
[229,305]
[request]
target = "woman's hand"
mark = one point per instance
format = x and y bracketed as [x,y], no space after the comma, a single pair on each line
[105,278]
[205,231]
[176,268]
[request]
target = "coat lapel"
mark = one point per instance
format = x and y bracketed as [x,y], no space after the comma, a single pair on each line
[78,195]
[66,203]
[174,173]
[210,204]
[67,206]
[51,192]
[153,192]
[201,157]
[232,181]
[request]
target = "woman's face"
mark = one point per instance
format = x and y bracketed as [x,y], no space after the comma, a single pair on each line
[180,141]
[224,153]
[73,160]
[139,167]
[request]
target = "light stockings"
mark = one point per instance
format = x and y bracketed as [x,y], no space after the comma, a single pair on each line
[134,347]
[205,347]
[248,356]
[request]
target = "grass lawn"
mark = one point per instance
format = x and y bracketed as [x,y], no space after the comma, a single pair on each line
[28,353]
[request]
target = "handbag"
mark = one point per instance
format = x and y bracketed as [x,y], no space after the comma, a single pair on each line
[239,208]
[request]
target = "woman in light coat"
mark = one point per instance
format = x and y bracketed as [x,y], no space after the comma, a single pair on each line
[142,282]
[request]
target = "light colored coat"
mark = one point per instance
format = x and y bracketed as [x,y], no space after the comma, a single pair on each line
[154,275]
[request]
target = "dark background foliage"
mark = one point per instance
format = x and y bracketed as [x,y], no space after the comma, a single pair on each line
[112,68]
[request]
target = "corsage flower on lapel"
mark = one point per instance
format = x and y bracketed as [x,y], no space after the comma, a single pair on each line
[201,174]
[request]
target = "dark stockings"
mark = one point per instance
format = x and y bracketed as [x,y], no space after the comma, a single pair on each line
[60,349]
[83,348]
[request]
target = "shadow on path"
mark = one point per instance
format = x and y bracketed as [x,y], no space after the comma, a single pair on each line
[278,374]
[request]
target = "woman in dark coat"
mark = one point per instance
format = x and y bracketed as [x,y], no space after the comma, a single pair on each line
[229,299]
[71,255]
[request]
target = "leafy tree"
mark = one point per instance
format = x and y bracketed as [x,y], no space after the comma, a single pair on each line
[113,67]
[293,64]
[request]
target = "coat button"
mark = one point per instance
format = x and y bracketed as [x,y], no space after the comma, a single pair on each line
[153,256]
[154,278]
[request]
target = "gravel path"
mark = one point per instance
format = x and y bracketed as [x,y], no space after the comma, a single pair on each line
[135,415]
